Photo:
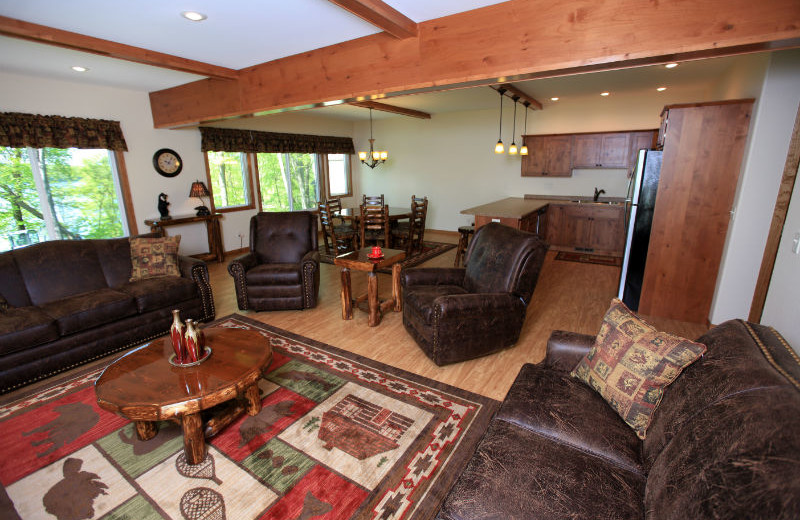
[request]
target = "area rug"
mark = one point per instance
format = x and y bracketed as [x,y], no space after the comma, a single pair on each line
[588,258]
[429,250]
[339,436]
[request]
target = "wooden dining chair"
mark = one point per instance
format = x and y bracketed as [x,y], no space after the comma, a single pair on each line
[410,235]
[374,225]
[340,237]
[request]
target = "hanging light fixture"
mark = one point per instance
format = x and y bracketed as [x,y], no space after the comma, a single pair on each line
[374,157]
[498,148]
[512,149]
[524,149]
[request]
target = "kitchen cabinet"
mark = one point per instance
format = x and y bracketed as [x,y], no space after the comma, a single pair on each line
[598,228]
[607,150]
[637,141]
[548,156]
[702,156]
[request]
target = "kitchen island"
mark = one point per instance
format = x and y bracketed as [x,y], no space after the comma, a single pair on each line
[516,212]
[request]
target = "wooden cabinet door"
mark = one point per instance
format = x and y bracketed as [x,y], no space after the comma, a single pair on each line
[535,162]
[586,150]
[608,229]
[614,152]
[559,231]
[559,156]
[639,140]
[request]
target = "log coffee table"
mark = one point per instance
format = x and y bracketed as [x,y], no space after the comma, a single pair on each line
[360,261]
[144,387]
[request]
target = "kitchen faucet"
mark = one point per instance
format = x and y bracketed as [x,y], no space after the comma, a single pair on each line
[598,193]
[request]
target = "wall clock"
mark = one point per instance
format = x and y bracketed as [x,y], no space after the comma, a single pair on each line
[167,162]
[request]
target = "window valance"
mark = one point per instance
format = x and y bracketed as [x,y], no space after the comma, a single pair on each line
[252,141]
[18,130]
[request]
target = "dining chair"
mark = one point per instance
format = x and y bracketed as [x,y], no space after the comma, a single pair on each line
[372,199]
[339,236]
[374,224]
[409,235]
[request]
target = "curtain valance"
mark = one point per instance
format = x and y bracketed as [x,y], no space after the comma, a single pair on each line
[18,130]
[252,141]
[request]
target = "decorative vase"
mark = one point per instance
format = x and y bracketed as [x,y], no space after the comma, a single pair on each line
[176,334]
[193,348]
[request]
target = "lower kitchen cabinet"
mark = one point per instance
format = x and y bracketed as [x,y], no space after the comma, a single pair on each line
[598,228]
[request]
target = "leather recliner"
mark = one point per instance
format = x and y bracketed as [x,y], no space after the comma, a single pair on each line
[281,271]
[460,313]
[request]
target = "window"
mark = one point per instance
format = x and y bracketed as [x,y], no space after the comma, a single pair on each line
[339,179]
[59,193]
[288,181]
[229,181]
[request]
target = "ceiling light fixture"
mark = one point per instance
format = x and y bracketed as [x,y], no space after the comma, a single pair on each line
[671,65]
[194,16]
[498,148]
[605,94]
[375,157]
[78,68]
[524,149]
[554,99]
[512,149]
[661,89]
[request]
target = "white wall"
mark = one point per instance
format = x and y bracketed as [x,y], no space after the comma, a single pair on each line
[765,157]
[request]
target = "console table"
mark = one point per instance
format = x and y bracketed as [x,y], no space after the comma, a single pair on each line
[212,227]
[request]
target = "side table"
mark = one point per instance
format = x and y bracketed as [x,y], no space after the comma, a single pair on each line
[360,261]
[212,227]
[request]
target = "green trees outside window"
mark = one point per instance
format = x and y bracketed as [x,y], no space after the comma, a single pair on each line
[228,174]
[288,181]
[53,193]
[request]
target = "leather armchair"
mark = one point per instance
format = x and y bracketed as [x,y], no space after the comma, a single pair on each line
[460,313]
[281,271]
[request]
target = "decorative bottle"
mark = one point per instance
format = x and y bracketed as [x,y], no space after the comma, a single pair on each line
[192,342]
[176,334]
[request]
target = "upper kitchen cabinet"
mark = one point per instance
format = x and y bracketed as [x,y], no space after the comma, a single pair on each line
[607,150]
[548,156]
[645,139]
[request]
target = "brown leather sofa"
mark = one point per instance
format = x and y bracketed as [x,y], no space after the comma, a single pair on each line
[724,442]
[460,313]
[71,301]
[281,270]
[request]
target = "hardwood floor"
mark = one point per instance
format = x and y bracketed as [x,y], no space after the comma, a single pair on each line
[569,296]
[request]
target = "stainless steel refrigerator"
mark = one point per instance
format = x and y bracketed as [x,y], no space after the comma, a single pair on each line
[639,205]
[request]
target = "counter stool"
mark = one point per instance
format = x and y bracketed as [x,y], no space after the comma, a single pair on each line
[464,233]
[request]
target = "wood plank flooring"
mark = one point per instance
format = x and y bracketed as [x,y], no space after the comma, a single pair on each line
[569,296]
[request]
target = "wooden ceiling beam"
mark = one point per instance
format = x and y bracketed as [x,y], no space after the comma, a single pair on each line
[79,42]
[383,107]
[520,94]
[381,15]
[500,43]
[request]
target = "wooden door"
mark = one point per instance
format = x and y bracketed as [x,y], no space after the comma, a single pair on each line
[702,157]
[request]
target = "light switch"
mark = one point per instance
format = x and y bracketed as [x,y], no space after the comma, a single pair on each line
[796,243]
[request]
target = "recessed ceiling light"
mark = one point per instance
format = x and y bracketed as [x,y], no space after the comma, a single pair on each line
[194,16]
[671,65]
[553,99]
[661,89]
[605,93]
[78,68]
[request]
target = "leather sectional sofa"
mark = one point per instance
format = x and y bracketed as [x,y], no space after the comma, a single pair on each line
[724,441]
[68,302]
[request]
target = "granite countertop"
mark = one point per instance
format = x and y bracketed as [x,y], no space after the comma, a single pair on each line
[519,207]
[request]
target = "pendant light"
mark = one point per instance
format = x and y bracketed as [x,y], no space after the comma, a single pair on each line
[524,149]
[512,149]
[374,157]
[498,148]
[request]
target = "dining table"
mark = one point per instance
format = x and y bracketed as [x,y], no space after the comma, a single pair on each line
[353,214]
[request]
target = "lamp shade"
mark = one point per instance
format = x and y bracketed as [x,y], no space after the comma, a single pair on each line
[199,189]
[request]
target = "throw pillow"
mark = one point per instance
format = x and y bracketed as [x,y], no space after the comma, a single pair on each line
[631,363]
[151,257]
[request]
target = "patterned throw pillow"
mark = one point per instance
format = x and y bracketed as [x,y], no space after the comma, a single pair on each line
[151,257]
[631,363]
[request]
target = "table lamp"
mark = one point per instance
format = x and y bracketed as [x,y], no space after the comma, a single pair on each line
[199,190]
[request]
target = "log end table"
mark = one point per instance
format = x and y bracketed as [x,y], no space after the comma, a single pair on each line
[145,388]
[359,260]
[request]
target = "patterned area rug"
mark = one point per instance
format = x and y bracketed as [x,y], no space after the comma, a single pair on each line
[588,258]
[430,250]
[339,436]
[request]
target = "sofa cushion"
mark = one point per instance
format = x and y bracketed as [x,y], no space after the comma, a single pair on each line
[13,286]
[90,309]
[631,363]
[156,293]
[151,257]
[25,327]
[274,274]
[516,473]
[563,409]
[420,299]
[115,259]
